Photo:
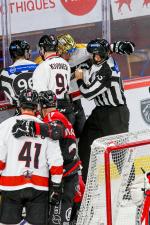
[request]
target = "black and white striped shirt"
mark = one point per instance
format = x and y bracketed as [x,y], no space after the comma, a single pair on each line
[16,78]
[104,85]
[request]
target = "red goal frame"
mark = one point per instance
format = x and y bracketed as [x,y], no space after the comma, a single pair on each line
[107,152]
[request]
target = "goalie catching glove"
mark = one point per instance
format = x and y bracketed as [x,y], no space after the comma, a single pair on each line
[123,47]
[55,193]
[54,130]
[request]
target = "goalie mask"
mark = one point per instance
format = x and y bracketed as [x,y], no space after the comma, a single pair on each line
[66,44]
[99,47]
[19,48]
[29,99]
[47,99]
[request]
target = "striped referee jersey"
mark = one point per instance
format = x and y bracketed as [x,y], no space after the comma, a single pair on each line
[104,84]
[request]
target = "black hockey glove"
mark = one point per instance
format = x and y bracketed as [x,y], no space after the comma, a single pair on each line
[23,128]
[55,193]
[54,130]
[123,47]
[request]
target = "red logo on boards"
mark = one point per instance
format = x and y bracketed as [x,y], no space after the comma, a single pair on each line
[79,7]
[146,2]
[122,2]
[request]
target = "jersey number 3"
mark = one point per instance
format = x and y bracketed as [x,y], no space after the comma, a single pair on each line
[25,154]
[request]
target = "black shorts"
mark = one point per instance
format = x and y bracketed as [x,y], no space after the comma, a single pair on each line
[34,201]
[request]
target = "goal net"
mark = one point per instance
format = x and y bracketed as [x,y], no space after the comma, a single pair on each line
[115,162]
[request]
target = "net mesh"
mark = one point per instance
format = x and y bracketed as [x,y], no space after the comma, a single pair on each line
[125,166]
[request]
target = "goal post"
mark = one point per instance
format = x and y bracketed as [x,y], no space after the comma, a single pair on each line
[115,163]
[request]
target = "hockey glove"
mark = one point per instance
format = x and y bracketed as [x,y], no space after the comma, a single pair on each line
[23,128]
[55,193]
[123,47]
[54,130]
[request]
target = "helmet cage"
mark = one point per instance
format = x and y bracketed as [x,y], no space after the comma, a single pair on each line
[66,44]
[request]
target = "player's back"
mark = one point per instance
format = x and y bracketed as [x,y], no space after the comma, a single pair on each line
[52,74]
[17,77]
[68,142]
[26,158]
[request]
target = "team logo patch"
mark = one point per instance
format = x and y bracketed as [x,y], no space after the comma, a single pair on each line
[145,110]
[12,69]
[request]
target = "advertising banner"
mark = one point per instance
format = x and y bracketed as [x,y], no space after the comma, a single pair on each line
[34,15]
[124,9]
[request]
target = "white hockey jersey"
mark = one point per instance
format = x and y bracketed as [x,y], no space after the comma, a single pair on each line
[17,77]
[80,55]
[52,74]
[27,161]
[79,58]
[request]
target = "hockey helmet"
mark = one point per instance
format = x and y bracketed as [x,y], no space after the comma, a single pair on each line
[47,99]
[99,46]
[19,48]
[66,44]
[28,98]
[48,43]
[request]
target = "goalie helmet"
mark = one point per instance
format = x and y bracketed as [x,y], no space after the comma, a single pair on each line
[99,46]
[47,99]
[48,43]
[28,98]
[19,48]
[66,44]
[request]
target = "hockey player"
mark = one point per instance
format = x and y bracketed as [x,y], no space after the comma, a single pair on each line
[25,165]
[78,57]
[54,118]
[18,76]
[54,74]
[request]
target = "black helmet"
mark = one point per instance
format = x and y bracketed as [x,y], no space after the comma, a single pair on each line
[48,43]
[98,46]
[28,98]
[18,48]
[47,99]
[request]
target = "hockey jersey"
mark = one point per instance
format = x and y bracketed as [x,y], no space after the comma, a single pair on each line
[79,59]
[67,143]
[17,77]
[52,74]
[27,161]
